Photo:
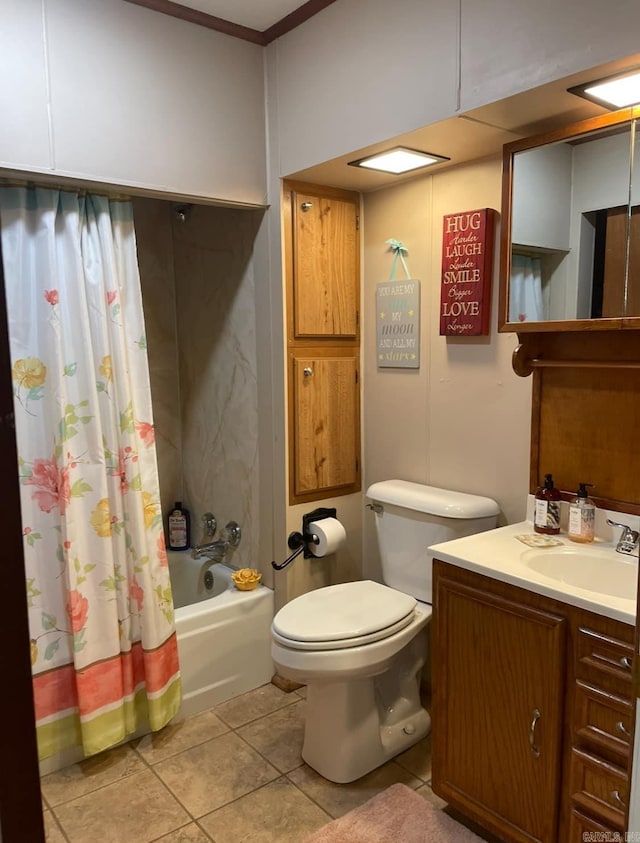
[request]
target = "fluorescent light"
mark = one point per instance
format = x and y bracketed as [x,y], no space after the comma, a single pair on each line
[615,92]
[398,160]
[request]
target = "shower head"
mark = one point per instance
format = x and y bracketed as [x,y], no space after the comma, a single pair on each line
[182,212]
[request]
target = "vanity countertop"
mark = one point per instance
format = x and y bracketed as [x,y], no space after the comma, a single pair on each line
[500,555]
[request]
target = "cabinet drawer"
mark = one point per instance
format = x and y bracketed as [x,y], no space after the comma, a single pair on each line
[599,789]
[583,828]
[603,723]
[604,661]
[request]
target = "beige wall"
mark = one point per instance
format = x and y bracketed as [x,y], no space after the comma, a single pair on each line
[462,420]
[343,566]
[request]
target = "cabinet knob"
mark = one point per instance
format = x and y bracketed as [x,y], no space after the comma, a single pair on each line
[532,732]
[306,205]
[626,662]
[307,371]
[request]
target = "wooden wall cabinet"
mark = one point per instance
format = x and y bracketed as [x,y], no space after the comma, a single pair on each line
[326,423]
[532,714]
[325,266]
[322,267]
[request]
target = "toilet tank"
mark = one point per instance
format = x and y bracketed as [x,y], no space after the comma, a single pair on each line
[410,517]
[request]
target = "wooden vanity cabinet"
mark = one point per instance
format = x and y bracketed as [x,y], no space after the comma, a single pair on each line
[498,688]
[532,710]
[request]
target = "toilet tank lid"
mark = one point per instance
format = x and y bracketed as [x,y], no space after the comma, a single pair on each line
[442,502]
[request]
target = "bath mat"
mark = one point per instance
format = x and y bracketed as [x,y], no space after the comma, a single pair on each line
[398,814]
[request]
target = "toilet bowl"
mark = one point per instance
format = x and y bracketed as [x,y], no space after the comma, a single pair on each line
[360,646]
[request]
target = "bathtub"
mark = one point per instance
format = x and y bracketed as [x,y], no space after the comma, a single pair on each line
[224,635]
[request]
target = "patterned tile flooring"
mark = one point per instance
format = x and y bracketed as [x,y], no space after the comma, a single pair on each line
[230,774]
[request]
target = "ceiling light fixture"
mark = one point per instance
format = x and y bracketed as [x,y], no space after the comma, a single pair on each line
[620,91]
[398,160]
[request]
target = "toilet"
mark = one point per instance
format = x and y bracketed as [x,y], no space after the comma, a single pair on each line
[360,646]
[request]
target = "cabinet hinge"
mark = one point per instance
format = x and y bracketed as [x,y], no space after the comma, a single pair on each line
[357,222]
[356,376]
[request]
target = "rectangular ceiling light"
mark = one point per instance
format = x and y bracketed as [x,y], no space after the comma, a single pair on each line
[398,160]
[619,91]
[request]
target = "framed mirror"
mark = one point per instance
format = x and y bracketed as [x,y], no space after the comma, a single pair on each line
[570,242]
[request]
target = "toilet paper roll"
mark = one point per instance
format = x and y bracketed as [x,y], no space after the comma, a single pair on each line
[331,535]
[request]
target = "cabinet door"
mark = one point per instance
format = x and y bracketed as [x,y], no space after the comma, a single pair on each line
[497,711]
[325,267]
[326,425]
[619,297]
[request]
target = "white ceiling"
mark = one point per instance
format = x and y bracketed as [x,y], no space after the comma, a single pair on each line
[256,14]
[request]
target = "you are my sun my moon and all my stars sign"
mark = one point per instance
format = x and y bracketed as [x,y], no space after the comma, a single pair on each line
[398,324]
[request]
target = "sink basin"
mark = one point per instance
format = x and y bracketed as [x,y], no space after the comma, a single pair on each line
[592,569]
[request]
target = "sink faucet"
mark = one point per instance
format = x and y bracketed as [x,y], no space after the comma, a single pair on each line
[216,551]
[628,541]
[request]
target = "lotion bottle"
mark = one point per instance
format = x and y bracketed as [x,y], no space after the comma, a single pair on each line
[546,517]
[582,516]
[179,528]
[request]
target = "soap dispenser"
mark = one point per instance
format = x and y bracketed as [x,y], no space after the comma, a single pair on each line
[179,528]
[582,516]
[547,508]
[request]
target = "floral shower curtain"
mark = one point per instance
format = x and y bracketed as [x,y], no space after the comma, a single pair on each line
[103,644]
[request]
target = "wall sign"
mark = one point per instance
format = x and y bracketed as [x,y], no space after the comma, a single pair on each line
[467,264]
[398,324]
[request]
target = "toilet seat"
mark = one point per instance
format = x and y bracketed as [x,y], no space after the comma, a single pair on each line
[343,616]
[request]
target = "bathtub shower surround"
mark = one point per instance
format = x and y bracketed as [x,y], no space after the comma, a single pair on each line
[199,298]
[103,643]
[223,633]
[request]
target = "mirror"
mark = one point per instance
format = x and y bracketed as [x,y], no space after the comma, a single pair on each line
[571,235]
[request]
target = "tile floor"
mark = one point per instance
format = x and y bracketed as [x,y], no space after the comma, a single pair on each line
[230,774]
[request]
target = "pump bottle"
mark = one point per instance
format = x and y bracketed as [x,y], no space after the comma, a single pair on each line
[582,516]
[547,508]
[179,528]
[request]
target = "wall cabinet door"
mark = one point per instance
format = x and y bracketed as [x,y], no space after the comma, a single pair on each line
[498,671]
[326,424]
[325,266]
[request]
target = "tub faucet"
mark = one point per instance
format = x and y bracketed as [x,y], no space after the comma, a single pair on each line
[217,550]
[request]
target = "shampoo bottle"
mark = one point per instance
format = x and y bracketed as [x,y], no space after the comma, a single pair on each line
[179,528]
[582,516]
[547,508]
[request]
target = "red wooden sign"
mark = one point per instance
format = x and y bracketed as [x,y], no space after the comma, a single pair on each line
[467,264]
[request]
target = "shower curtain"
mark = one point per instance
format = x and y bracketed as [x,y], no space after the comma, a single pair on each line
[103,645]
[525,290]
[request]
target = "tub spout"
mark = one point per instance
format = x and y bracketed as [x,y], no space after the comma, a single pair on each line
[216,551]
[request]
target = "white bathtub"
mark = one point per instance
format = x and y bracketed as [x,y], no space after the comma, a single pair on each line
[224,635]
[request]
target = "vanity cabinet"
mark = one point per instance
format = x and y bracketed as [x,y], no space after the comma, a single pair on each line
[498,688]
[532,711]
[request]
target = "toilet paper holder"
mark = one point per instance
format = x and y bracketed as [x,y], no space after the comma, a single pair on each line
[299,542]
